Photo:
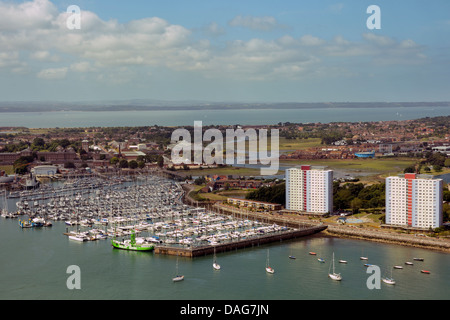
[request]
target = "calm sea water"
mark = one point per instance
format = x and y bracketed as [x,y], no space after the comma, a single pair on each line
[213,117]
[34,265]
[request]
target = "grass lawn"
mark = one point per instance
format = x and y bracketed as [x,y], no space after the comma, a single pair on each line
[376,166]
[7,169]
[223,171]
[298,144]
[367,168]
[292,144]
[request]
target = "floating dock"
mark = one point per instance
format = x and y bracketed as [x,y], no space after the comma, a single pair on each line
[231,246]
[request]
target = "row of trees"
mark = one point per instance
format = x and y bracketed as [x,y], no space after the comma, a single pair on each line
[39,144]
[273,194]
[354,196]
[138,163]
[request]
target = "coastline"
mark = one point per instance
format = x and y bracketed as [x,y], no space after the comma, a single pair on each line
[388,237]
[332,230]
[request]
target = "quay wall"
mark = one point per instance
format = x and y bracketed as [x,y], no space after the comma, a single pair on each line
[389,237]
[332,230]
[245,243]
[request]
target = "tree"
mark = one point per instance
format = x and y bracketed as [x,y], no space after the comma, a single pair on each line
[447,163]
[69,165]
[410,169]
[123,163]
[160,161]
[356,204]
[133,164]
[273,194]
[114,160]
[21,165]
[38,144]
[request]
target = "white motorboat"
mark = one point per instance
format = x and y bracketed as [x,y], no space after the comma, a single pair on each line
[389,280]
[78,238]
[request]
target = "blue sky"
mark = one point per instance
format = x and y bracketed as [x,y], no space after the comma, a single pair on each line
[265,51]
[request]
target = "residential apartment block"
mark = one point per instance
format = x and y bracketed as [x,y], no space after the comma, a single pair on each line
[414,200]
[309,189]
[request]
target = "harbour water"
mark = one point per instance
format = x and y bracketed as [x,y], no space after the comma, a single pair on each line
[71,119]
[35,261]
[34,266]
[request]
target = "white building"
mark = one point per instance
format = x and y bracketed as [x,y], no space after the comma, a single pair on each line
[414,200]
[45,170]
[309,189]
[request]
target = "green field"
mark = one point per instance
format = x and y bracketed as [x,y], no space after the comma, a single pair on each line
[298,144]
[370,168]
[380,166]
[225,171]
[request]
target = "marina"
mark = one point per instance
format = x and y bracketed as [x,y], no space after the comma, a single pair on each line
[35,261]
[144,214]
[100,229]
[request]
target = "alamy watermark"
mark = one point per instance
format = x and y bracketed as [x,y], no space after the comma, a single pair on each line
[187,151]
[74,280]
[374,21]
[373,281]
[74,20]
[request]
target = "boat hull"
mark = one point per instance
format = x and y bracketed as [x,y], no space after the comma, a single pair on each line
[178,278]
[130,247]
[334,276]
[389,281]
[270,270]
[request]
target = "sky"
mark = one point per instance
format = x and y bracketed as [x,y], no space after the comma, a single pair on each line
[225,50]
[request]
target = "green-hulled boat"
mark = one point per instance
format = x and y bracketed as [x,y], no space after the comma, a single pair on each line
[131,244]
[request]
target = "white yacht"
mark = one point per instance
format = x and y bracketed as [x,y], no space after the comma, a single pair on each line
[269,269]
[333,275]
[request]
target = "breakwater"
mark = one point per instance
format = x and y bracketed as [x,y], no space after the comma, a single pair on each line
[244,243]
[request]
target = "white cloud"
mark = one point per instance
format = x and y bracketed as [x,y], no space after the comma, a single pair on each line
[27,15]
[53,73]
[39,32]
[83,66]
[213,29]
[43,55]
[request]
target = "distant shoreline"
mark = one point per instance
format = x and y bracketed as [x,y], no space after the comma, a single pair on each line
[11,107]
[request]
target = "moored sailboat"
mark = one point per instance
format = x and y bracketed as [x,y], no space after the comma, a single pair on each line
[389,280]
[216,266]
[269,269]
[333,275]
[178,277]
